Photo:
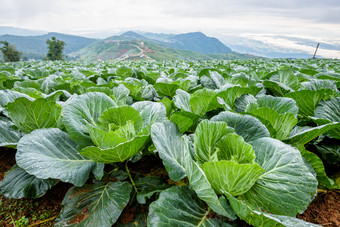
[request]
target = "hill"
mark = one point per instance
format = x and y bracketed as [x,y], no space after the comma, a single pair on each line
[129,45]
[35,47]
[132,46]
[193,41]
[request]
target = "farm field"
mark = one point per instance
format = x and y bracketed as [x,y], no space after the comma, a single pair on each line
[197,143]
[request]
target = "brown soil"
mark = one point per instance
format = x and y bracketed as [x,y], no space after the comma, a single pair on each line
[7,160]
[324,210]
[149,165]
[36,212]
[127,215]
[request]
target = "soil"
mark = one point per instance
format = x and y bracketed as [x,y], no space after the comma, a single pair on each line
[7,160]
[35,212]
[324,210]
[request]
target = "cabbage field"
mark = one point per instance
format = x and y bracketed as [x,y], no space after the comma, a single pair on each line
[250,140]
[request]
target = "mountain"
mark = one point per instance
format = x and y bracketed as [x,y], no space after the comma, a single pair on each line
[8,30]
[198,42]
[35,47]
[129,45]
[193,41]
[133,46]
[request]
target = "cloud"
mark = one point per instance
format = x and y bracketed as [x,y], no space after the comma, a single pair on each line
[311,18]
[313,10]
[286,44]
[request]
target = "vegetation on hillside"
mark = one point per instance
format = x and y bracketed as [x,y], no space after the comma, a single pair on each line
[9,52]
[55,49]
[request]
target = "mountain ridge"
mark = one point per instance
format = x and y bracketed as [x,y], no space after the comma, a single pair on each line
[35,47]
[129,45]
[133,46]
[192,41]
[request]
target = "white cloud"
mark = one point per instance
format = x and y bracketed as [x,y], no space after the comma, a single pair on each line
[286,44]
[310,18]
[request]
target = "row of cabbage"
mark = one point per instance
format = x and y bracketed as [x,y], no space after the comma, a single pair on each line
[246,139]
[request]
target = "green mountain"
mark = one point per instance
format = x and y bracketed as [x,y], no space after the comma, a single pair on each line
[35,47]
[128,46]
[193,41]
[132,46]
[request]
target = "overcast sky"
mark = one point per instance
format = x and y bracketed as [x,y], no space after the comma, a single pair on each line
[317,19]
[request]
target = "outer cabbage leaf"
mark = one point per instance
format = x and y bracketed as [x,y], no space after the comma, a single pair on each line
[232,93]
[97,204]
[279,125]
[277,88]
[166,89]
[200,101]
[280,104]
[18,184]
[199,182]
[179,206]
[184,123]
[287,78]
[8,135]
[321,176]
[307,100]
[330,111]
[7,96]
[287,187]
[151,113]
[170,146]
[305,135]
[176,155]
[182,99]
[125,72]
[258,218]
[316,84]
[330,151]
[148,186]
[242,102]
[250,128]
[120,94]
[30,115]
[50,153]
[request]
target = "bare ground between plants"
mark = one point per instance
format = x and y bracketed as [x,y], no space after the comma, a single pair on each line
[324,210]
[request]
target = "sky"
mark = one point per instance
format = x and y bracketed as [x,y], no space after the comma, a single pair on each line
[311,19]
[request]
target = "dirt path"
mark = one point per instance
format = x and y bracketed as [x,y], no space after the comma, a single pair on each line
[141,54]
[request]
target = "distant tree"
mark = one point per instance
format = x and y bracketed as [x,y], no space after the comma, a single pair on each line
[9,52]
[55,49]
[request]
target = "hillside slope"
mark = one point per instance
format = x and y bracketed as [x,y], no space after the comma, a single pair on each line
[131,48]
[111,49]
[35,47]
[193,41]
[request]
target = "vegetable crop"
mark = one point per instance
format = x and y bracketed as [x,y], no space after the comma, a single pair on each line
[243,139]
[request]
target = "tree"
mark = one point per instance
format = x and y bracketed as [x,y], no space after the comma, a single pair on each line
[55,49]
[9,52]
